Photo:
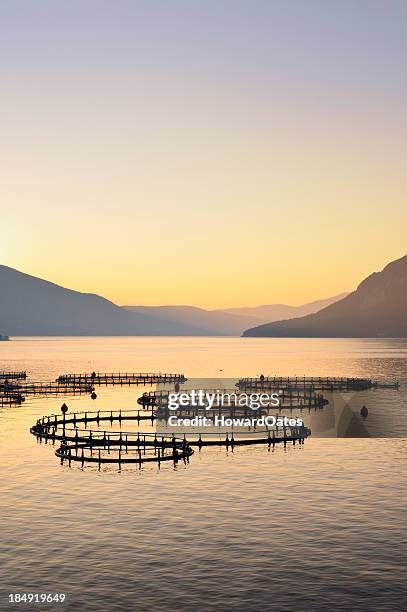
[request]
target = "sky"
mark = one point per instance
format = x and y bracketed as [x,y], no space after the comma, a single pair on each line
[213,153]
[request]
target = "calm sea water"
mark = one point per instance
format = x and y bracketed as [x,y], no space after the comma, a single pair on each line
[315,527]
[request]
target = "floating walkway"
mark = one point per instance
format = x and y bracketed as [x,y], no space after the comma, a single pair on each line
[121,378]
[266,436]
[44,389]
[13,375]
[314,383]
[11,400]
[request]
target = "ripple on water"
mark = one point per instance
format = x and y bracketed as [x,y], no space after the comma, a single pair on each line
[316,527]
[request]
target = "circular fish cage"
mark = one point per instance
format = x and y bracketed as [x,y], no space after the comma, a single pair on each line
[80,444]
[121,448]
[288,399]
[121,378]
[309,384]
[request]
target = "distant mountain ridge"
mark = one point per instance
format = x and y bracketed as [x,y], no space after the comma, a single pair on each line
[231,321]
[378,308]
[30,306]
[275,312]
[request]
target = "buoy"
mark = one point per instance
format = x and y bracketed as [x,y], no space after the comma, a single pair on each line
[364,412]
[93,395]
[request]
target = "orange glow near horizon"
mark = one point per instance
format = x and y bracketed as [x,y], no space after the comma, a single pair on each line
[225,160]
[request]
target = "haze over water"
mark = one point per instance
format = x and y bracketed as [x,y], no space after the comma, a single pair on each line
[253,529]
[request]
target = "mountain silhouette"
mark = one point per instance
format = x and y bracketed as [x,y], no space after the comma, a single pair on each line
[275,312]
[230,321]
[31,306]
[378,308]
